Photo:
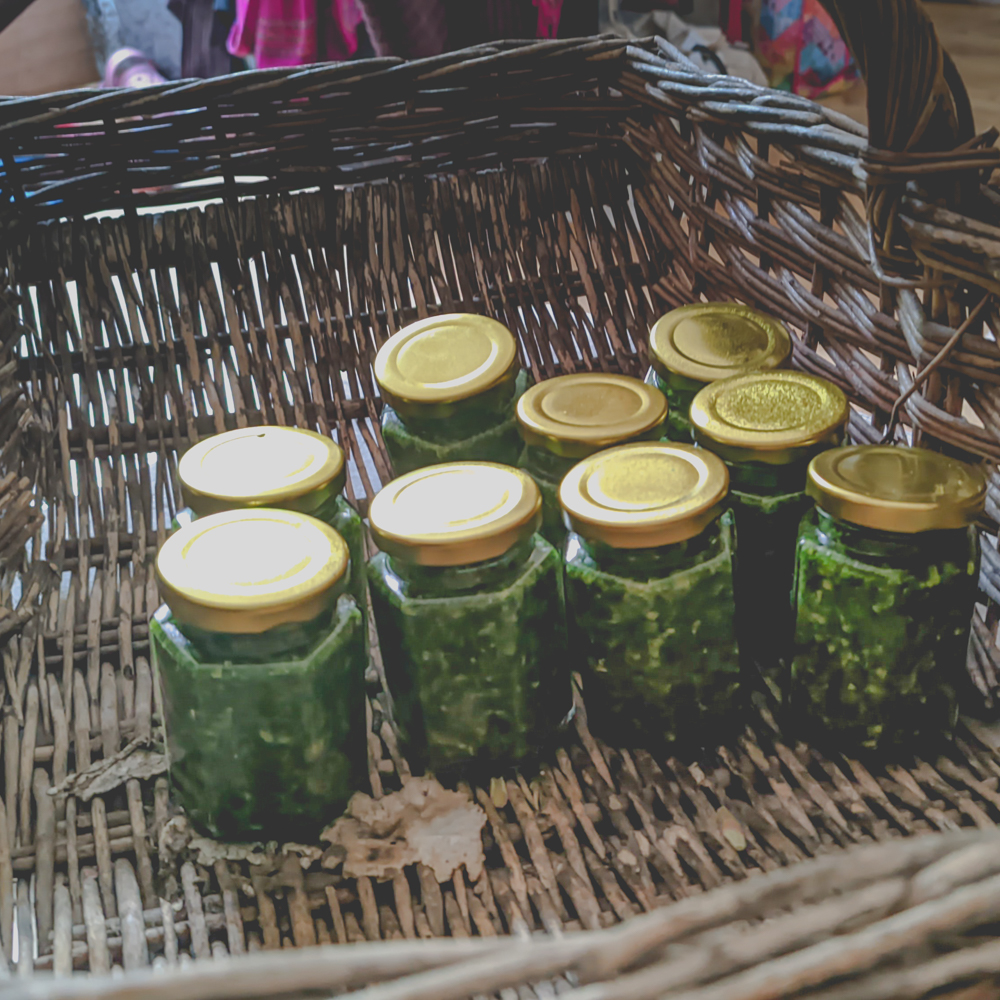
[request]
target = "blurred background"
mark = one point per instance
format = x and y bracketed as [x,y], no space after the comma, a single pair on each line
[51,45]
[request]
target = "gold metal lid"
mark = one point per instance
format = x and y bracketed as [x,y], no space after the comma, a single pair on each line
[444,359]
[247,571]
[452,515]
[771,417]
[641,496]
[261,467]
[709,341]
[906,490]
[576,415]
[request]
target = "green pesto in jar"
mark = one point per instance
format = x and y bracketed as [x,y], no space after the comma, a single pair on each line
[881,629]
[767,426]
[261,666]
[474,657]
[882,617]
[468,602]
[649,594]
[653,633]
[483,429]
[767,503]
[265,732]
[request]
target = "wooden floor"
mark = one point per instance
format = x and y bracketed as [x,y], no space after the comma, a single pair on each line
[971,33]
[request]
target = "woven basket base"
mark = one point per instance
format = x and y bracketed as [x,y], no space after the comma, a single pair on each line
[151,332]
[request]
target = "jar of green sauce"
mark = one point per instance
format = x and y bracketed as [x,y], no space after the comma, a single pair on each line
[567,418]
[649,594]
[767,426]
[449,384]
[279,467]
[704,342]
[260,657]
[468,602]
[886,576]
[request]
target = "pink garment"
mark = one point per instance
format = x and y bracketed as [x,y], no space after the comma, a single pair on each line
[283,32]
[549,12]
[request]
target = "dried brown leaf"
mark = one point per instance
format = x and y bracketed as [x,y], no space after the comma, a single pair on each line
[422,823]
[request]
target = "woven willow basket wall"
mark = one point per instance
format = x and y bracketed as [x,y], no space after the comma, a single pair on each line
[573,190]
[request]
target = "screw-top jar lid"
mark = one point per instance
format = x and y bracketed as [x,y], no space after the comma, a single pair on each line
[247,571]
[455,514]
[709,341]
[261,467]
[891,488]
[641,496]
[771,417]
[576,415]
[443,360]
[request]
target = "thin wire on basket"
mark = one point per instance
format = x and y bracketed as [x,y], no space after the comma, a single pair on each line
[935,363]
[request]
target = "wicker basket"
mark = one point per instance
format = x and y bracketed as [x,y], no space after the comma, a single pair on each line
[575,191]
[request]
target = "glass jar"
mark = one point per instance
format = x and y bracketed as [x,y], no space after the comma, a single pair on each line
[766,426]
[570,417]
[449,385]
[886,577]
[278,467]
[649,594]
[704,342]
[261,660]
[468,602]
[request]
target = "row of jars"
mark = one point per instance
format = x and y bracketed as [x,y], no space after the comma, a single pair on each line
[673,567]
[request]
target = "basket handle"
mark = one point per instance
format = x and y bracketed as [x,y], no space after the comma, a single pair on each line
[917,107]
[917,101]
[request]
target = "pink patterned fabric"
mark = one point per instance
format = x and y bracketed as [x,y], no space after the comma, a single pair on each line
[284,32]
[549,12]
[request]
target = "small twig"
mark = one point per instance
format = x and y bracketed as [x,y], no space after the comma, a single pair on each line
[926,372]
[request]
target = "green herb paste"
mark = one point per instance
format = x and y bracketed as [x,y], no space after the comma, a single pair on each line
[653,632]
[474,656]
[768,502]
[680,393]
[482,429]
[265,732]
[881,629]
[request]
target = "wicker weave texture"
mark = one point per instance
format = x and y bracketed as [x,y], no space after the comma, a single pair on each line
[575,191]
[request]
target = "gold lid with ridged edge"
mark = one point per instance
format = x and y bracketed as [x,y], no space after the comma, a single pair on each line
[267,466]
[642,496]
[434,363]
[774,418]
[577,415]
[455,514]
[892,488]
[247,571]
[708,341]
